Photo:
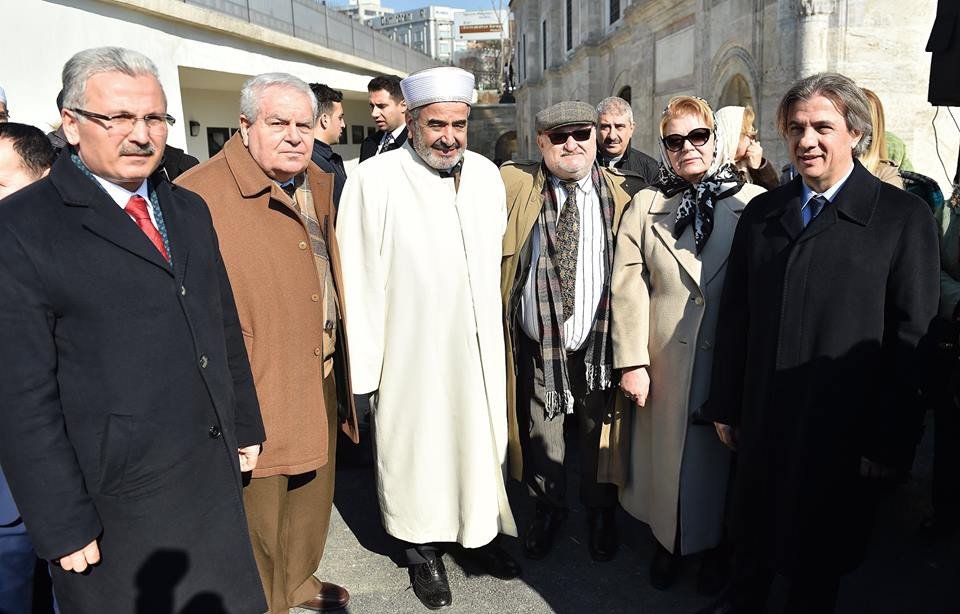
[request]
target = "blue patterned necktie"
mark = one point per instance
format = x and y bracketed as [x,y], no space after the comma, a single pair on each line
[813,207]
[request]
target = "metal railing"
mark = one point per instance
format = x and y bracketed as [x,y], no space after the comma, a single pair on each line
[314,22]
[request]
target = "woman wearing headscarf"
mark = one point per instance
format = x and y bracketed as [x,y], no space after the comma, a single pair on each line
[743,149]
[668,273]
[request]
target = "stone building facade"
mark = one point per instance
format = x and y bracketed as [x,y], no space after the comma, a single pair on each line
[729,52]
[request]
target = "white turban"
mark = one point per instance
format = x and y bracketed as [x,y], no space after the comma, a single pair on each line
[443,84]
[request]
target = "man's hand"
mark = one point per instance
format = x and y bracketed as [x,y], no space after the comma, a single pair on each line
[635,384]
[874,470]
[727,435]
[81,559]
[249,456]
[754,155]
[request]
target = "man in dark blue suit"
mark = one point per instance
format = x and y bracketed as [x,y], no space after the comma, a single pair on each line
[128,407]
[326,132]
[25,157]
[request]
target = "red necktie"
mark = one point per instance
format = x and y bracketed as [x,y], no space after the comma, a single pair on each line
[137,209]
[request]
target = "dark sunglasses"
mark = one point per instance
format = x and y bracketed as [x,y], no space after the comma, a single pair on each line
[697,138]
[559,138]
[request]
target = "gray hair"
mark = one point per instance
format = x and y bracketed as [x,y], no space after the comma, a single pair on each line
[845,95]
[253,89]
[89,62]
[615,105]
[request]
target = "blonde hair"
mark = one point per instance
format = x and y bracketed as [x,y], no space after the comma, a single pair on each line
[748,117]
[877,149]
[682,106]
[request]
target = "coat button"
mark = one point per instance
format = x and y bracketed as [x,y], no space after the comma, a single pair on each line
[315,298]
[183,290]
[302,245]
[214,431]
[316,351]
[698,300]
[204,362]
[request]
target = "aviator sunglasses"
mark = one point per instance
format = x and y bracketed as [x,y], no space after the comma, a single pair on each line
[697,138]
[559,138]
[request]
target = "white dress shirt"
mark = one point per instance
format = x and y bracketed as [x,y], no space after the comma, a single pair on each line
[121,195]
[591,268]
[394,134]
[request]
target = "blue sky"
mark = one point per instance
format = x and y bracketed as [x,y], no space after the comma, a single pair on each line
[472,5]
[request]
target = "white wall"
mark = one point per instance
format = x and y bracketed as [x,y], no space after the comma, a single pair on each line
[47,34]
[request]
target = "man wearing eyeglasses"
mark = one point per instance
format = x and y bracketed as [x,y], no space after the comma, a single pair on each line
[555,285]
[128,405]
[273,211]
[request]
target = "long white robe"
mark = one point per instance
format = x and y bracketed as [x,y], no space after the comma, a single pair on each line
[421,269]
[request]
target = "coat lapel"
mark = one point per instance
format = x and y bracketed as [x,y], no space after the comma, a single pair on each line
[789,213]
[726,214]
[103,217]
[664,213]
[176,231]
[855,201]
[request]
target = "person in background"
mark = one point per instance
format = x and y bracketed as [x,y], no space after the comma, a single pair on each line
[743,148]
[665,305]
[4,112]
[25,157]
[875,158]
[326,133]
[387,108]
[831,285]
[615,128]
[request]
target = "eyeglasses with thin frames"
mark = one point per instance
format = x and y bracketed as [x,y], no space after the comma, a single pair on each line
[697,138]
[560,137]
[125,122]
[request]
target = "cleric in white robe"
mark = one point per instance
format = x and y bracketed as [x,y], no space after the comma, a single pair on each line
[420,232]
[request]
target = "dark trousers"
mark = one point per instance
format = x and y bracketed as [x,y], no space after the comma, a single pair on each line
[544,448]
[946,461]
[416,554]
[812,592]
[17,563]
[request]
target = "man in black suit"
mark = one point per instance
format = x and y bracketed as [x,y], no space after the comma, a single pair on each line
[327,130]
[128,404]
[614,132]
[832,281]
[387,108]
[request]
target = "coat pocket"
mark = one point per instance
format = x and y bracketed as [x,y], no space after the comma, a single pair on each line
[115,453]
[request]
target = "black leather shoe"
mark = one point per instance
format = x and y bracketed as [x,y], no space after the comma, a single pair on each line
[429,581]
[663,568]
[495,561]
[714,572]
[603,542]
[539,539]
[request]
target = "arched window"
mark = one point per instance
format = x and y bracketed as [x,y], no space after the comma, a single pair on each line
[625,93]
[736,93]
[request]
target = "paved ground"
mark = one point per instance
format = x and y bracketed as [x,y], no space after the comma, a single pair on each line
[901,576]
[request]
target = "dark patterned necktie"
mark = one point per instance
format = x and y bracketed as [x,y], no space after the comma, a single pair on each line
[813,208]
[568,241]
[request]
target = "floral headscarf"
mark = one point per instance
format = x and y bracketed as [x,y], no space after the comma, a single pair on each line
[720,181]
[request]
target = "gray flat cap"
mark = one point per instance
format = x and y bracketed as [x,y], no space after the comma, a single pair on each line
[565,113]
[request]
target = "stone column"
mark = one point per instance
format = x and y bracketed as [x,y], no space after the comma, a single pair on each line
[813,35]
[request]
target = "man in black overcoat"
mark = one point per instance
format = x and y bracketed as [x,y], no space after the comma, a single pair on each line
[128,408]
[832,280]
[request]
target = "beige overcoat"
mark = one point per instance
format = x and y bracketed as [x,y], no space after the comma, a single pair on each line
[664,309]
[266,249]
[524,185]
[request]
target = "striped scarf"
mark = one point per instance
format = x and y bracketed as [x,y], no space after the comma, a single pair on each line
[557,396]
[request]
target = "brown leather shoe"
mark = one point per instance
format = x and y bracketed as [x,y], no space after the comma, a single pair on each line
[330,598]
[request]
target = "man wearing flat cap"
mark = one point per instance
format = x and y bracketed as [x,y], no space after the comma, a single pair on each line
[420,229]
[563,214]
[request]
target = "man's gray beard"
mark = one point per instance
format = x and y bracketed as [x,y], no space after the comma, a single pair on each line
[426,154]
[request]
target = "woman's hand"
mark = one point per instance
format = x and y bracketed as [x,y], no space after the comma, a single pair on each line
[635,384]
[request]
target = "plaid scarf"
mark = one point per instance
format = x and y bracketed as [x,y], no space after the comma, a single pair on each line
[557,396]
